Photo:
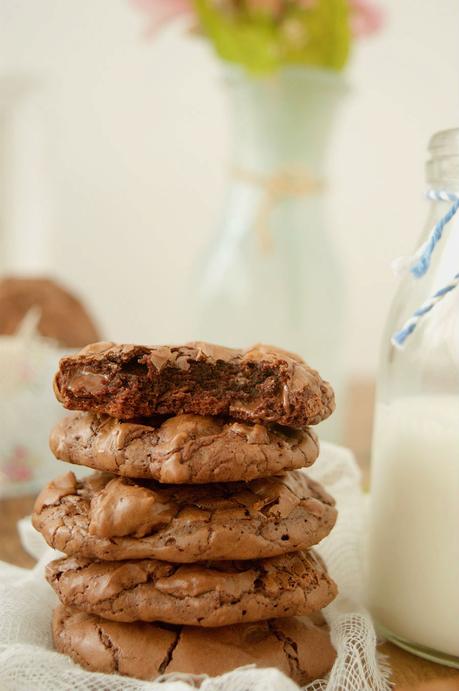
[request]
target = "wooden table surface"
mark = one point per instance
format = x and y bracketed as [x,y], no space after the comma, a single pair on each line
[410,673]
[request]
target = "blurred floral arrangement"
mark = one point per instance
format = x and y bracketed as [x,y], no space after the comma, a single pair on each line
[264,35]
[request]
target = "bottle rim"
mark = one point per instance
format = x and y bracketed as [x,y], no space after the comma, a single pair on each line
[442,168]
[444,143]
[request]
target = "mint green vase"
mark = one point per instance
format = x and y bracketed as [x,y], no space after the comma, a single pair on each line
[271,272]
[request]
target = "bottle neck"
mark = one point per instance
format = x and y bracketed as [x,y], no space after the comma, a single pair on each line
[444,262]
[284,120]
[437,182]
[442,168]
[442,194]
[442,174]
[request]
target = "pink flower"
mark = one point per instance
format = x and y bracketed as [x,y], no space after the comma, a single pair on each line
[366,18]
[162,11]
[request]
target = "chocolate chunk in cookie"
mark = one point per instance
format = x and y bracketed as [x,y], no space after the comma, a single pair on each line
[262,384]
[300,649]
[182,449]
[114,518]
[207,594]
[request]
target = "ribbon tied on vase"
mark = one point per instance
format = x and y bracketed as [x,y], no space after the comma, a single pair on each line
[276,187]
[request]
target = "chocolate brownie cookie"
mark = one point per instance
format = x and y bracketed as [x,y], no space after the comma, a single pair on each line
[209,594]
[113,518]
[261,384]
[300,649]
[182,449]
[62,316]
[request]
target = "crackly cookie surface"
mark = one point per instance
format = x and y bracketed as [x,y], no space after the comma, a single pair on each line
[113,518]
[261,384]
[300,649]
[182,449]
[207,594]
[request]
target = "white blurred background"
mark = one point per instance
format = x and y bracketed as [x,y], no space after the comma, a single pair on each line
[114,156]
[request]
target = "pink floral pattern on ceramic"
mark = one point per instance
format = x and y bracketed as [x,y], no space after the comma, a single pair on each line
[28,410]
[19,465]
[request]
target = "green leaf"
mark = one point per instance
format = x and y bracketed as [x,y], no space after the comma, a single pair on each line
[319,36]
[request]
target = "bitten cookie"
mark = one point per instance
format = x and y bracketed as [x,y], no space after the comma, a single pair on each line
[262,384]
[209,594]
[300,649]
[113,518]
[182,449]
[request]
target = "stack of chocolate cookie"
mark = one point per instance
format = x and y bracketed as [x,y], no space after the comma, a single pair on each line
[189,549]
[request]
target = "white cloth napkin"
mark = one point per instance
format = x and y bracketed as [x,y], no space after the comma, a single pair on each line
[28,661]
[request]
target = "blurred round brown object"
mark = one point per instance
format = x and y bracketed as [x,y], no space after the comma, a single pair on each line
[63,317]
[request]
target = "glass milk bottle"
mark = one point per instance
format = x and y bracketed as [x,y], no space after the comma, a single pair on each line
[413,584]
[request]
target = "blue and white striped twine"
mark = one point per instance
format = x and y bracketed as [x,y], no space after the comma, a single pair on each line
[419,264]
